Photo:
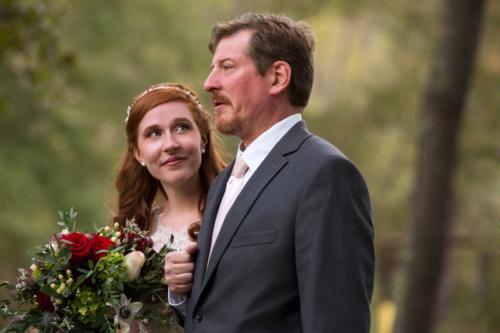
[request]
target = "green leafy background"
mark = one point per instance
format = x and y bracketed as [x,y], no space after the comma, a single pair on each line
[68,70]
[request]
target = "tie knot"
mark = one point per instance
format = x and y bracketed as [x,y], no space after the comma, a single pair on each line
[239,168]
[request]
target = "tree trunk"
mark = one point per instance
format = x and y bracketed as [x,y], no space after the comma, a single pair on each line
[441,113]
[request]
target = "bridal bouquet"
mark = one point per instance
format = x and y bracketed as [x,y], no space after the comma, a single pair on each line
[90,282]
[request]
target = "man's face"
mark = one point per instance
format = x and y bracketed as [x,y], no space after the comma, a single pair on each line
[238,90]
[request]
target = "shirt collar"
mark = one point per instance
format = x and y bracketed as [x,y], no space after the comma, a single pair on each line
[257,151]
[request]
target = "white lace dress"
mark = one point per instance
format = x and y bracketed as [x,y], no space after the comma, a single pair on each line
[160,235]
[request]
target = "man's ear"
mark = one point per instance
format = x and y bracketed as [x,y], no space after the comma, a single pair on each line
[280,75]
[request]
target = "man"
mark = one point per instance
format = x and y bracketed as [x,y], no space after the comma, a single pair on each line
[291,248]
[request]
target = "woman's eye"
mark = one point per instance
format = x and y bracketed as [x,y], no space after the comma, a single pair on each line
[182,128]
[153,133]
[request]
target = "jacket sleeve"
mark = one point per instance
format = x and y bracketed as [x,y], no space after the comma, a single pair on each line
[178,304]
[334,250]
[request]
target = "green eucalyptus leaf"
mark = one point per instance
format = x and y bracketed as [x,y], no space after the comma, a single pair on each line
[78,282]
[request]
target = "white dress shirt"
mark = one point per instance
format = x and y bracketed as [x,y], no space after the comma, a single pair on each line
[253,155]
[257,151]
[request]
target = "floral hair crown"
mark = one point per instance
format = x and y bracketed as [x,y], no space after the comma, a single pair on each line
[166,86]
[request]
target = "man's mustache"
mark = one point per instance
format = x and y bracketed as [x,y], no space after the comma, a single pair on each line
[218,98]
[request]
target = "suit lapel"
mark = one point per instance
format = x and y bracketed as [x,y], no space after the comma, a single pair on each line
[269,168]
[262,176]
[205,237]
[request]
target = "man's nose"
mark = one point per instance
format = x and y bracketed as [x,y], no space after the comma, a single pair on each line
[212,82]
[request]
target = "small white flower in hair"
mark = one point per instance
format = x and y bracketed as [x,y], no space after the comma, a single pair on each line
[128,113]
[189,94]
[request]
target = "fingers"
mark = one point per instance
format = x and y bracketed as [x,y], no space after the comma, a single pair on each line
[183,256]
[178,257]
[192,248]
[179,268]
[182,276]
[179,276]
[181,289]
[176,263]
[181,283]
[182,279]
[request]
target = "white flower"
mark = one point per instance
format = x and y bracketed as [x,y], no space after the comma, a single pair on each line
[125,314]
[135,261]
[52,245]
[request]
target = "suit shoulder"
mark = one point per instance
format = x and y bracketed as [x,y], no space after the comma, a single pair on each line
[321,155]
[323,150]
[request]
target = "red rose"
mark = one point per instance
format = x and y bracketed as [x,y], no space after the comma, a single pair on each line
[79,246]
[129,237]
[142,243]
[44,302]
[99,243]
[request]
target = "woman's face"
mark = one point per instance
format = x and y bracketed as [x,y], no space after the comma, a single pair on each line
[169,142]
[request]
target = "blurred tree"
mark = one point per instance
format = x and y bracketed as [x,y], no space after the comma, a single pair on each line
[40,157]
[442,109]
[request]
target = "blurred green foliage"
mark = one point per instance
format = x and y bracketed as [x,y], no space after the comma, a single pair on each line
[69,69]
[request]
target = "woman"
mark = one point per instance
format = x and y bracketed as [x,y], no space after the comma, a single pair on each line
[172,158]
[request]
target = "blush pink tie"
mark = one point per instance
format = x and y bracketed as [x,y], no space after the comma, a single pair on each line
[233,188]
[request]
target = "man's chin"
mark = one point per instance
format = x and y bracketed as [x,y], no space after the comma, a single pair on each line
[227,127]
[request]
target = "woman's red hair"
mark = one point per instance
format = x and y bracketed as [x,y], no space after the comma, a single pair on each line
[136,187]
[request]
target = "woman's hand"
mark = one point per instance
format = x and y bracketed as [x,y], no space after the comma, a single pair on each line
[179,268]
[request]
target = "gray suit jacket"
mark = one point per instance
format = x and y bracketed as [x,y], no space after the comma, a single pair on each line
[295,252]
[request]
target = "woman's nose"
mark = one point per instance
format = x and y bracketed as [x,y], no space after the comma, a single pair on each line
[170,142]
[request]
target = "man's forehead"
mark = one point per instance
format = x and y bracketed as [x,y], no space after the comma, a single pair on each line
[233,44]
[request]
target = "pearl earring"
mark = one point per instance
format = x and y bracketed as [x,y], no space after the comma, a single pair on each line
[203,150]
[142,163]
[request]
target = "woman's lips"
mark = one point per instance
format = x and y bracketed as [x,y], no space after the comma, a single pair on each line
[172,161]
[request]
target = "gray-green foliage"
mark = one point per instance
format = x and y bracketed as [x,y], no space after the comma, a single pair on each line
[40,155]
